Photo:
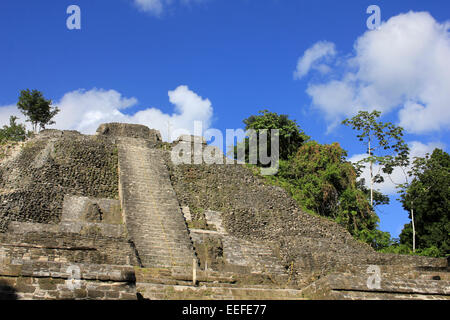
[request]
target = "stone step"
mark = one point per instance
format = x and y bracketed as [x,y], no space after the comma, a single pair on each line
[159,222]
[161,261]
[403,271]
[166,252]
[347,286]
[359,283]
[186,292]
[355,295]
[167,261]
[159,231]
[165,239]
[152,213]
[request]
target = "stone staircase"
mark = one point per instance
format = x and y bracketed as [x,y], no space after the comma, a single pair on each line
[151,210]
[154,291]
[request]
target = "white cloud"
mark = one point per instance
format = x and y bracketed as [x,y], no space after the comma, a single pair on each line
[417,149]
[156,7]
[153,6]
[84,111]
[310,59]
[11,110]
[405,64]
[189,108]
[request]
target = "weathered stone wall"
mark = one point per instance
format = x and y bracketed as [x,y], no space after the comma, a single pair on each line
[129,130]
[222,252]
[29,280]
[55,163]
[106,211]
[255,211]
[83,215]
[180,292]
[390,287]
[38,288]
[67,247]
[242,197]
[74,239]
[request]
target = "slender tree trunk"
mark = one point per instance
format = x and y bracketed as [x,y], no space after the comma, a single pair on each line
[371,176]
[413,228]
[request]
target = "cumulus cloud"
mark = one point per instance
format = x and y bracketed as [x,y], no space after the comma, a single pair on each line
[311,58]
[189,108]
[404,66]
[417,149]
[84,111]
[156,7]
[11,110]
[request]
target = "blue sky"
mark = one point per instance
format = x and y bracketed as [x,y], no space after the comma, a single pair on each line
[219,61]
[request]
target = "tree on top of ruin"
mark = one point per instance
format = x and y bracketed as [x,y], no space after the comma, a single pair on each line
[36,108]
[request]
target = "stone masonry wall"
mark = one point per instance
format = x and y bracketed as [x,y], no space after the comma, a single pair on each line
[30,280]
[237,254]
[255,211]
[130,131]
[75,239]
[67,247]
[55,163]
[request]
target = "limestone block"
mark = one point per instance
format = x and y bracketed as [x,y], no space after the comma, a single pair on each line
[130,131]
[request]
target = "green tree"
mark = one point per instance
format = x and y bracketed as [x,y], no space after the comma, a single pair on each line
[322,181]
[378,197]
[384,142]
[13,132]
[36,108]
[402,161]
[429,195]
[291,137]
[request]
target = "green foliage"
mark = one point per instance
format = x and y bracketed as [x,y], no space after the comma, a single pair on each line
[320,179]
[398,248]
[36,108]
[430,252]
[377,135]
[379,240]
[291,137]
[378,197]
[14,132]
[323,183]
[429,196]
[384,142]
